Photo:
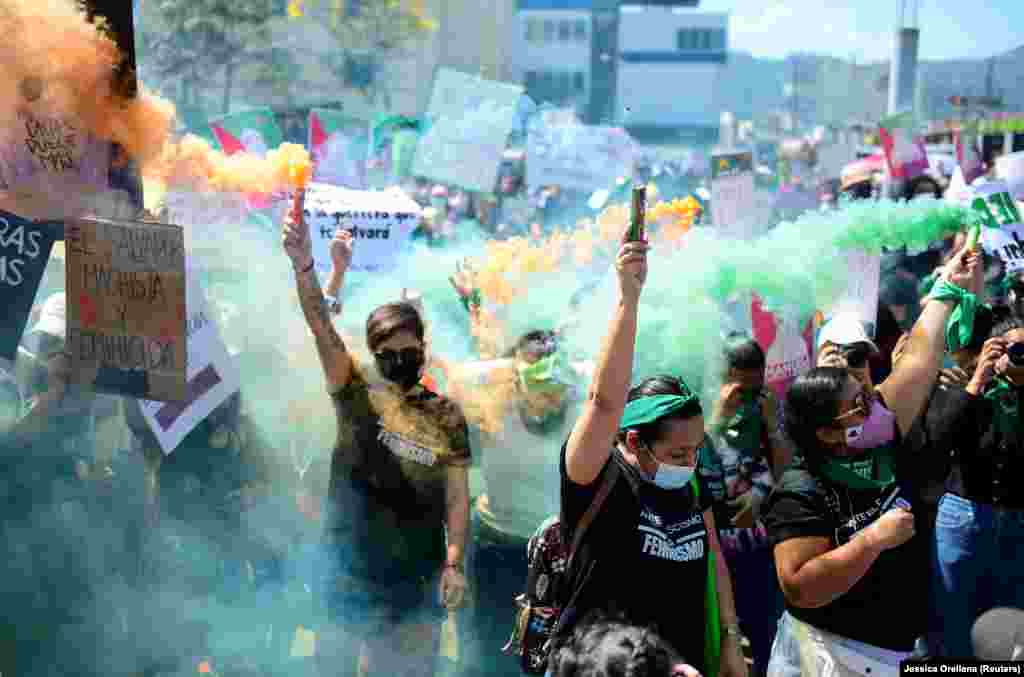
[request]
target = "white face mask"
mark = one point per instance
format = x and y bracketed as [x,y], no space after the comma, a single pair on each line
[669,476]
[854,433]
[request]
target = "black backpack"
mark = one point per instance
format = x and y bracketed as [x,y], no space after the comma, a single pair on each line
[549,590]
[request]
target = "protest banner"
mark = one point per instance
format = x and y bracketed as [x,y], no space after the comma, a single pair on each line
[212,375]
[24,253]
[733,209]
[126,307]
[381,223]
[470,121]
[255,131]
[786,338]
[339,144]
[578,157]
[1002,235]
[905,154]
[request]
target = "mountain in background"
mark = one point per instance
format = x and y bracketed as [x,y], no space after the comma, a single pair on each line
[826,89]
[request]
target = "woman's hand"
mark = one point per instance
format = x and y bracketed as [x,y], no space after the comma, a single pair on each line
[993,351]
[964,270]
[733,663]
[341,251]
[954,377]
[892,529]
[631,266]
[453,587]
[295,237]
[730,398]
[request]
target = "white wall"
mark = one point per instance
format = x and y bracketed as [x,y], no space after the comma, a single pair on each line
[655,28]
[669,94]
[544,55]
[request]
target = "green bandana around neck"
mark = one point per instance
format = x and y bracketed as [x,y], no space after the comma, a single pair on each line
[960,326]
[649,409]
[870,470]
[548,374]
[1005,407]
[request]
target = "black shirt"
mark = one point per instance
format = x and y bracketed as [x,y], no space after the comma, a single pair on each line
[646,552]
[387,494]
[888,607]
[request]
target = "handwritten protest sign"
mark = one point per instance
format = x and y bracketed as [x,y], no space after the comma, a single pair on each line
[1003,232]
[212,376]
[24,252]
[580,157]
[861,295]
[381,223]
[733,208]
[339,144]
[126,307]
[470,120]
[785,336]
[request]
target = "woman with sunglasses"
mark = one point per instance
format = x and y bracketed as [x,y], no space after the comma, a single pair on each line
[851,558]
[398,500]
[652,552]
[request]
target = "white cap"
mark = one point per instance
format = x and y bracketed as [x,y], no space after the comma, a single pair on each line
[1010,168]
[845,330]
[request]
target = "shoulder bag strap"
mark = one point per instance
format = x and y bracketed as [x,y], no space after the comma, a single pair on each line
[594,508]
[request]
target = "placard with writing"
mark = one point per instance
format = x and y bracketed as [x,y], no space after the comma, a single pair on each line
[24,252]
[127,307]
[1002,234]
[212,376]
[732,194]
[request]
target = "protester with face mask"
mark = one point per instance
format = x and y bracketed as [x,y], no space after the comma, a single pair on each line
[399,482]
[652,551]
[979,530]
[848,552]
[520,471]
[748,446]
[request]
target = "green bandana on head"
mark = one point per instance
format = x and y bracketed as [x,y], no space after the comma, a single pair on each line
[645,410]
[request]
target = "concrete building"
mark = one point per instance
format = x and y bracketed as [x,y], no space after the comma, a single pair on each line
[553,51]
[670,62]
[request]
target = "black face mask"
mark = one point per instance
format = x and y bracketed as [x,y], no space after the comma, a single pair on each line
[401,367]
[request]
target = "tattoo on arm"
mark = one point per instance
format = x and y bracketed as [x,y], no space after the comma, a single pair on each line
[315,309]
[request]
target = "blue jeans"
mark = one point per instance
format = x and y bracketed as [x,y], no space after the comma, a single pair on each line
[976,567]
[759,603]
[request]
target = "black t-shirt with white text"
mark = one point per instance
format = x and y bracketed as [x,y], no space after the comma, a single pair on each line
[646,552]
[888,607]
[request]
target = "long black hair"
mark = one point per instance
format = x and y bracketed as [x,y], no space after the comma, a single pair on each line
[607,646]
[662,385]
[812,403]
[742,352]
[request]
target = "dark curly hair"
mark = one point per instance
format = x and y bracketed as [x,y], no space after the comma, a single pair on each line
[608,646]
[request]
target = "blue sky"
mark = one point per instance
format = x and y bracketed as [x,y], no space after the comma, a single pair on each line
[949,28]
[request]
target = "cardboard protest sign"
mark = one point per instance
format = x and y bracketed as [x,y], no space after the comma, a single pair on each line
[381,223]
[1002,234]
[470,121]
[732,194]
[212,375]
[339,144]
[24,252]
[579,157]
[126,307]
[255,131]
[905,153]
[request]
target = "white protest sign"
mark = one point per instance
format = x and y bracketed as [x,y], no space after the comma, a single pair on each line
[470,120]
[862,289]
[733,203]
[212,375]
[381,223]
[1002,234]
[578,157]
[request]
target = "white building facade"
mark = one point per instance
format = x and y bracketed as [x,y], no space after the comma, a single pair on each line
[670,61]
[552,47]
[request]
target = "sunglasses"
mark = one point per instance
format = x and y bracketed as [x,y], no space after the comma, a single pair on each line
[404,355]
[861,407]
[856,356]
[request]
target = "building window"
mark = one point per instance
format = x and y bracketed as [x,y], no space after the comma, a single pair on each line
[563,30]
[577,82]
[549,31]
[580,30]
[532,30]
[684,39]
[563,85]
[718,39]
[531,81]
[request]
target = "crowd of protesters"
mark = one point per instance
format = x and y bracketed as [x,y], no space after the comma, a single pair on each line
[869,517]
